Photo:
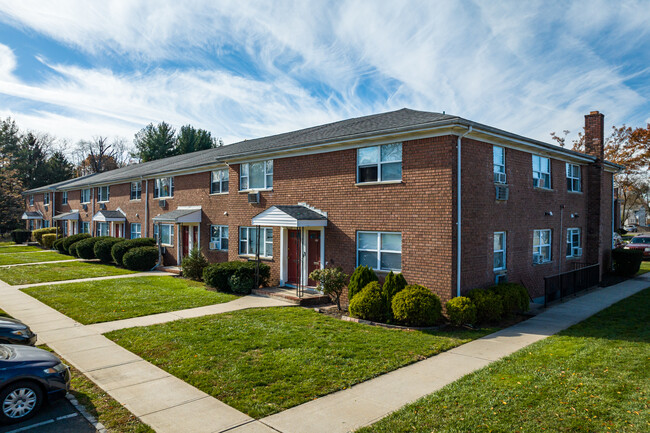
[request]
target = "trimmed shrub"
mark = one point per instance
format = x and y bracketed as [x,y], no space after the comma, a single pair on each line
[102,249]
[242,281]
[461,311]
[119,249]
[331,281]
[48,240]
[38,234]
[361,277]
[86,247]
[369,303]
[417,306]
[72,249]
[514,297]
[193,265]
[626,262]
[58,245]
[219,275]
[489,306]
[20,236]
[393,284]
[140,258]
[72,239]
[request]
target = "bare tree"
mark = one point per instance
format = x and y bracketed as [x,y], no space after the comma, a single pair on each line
[98,155]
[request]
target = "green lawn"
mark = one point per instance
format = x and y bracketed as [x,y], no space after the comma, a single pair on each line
[592,377]
[263,361]
[57,272]
[107,300]
[44,256]
[19,249]
[645,267]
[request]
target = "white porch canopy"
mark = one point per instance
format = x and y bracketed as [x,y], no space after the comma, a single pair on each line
[37,215]
[74,215]
[290,216]
[186,215]
[109,215]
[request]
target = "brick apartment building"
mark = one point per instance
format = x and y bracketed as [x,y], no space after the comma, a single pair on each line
[380,190]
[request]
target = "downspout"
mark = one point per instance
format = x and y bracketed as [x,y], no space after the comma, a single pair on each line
[146,207]
[458,205]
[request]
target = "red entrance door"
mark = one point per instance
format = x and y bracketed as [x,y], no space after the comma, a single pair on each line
[186,241]
[293,257]
[313,253]
[118,230]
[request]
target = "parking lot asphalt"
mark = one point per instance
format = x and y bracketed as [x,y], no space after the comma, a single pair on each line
[58,416]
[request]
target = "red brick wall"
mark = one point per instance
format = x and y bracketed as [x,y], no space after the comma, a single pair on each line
[39,206]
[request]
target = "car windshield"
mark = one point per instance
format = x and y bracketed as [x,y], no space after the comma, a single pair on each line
[4,352]
[640,240]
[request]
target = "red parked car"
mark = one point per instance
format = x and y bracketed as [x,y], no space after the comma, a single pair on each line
[640,242]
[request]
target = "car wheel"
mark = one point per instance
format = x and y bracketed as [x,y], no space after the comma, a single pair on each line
[19,401]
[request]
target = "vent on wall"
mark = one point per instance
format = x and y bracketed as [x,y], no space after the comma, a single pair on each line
[84,206]
[502,192]
[162,203]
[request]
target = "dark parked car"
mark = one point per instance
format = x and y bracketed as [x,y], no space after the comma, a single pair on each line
[28,376]
[13,331]
[640,242]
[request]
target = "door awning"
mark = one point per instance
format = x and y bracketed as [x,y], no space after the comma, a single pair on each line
[32,215]
[290,216]
[109,215]
[181,215]
[74,215]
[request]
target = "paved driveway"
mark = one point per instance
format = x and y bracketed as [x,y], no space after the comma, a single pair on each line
[58,416]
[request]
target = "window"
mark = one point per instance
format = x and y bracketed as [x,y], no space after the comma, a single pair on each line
[85,195]
[166,233]
[46,198]
[85,227]
[163,187]
[219,238]
[31,224]
[136,190]
[381,251]
[541,246]
[136,230]
[573,243]
[64,197]
[248,241]
[31,200]
[46,224]
[102,194]
[499,251]
[256,175]
[219,181]
[379,163]
[499,159]
[573,178]
[102,229]
[541,172]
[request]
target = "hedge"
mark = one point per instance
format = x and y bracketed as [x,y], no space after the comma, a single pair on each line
[86,247]
[461,311]
[417,306]
[20,236]
[58,245]
[67,242]
[369,303]
[119,249]
[361,277]
[220,276]
[514,297]
[102,248]
[48,240]
[72,249]
[626,262]
[38,234]
[393,284]
[141,258]
[489,305]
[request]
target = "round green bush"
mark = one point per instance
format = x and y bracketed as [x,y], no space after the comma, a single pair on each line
[58,245]
[102,248]
[20,236]
[369,303]
[242,281]
[86,247]
[627,262]
[193,265]
[141,258]
[48,240]
[72,249]
[489,306]
[119,249]
[417,306]
[72,239]
[38,234]
[218,275]
[461,311]
[360,278]
[514,297]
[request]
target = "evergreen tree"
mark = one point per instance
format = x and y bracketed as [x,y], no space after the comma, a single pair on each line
[191,140]
[360,278]
[155,142]
[58,168]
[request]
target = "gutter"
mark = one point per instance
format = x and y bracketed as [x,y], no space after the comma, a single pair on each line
[459,209]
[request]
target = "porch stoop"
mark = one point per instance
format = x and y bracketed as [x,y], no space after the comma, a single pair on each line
[170,269]
[289,295]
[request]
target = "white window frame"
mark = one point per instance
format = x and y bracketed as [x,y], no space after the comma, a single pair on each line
[501,251]
[170,234]
[573,182]
[64,197]
[137,232]
[244,176]
[539,248]
[99,230]
[136,189]
[571,235]
[85,227]
[46,224]
[499,167]
[379,164]
[245,247]
[379,249]
[157,187]
[85,191]
[46,199]
[219,230]
[100,194]
[31,200]
[539,174]
[222,180]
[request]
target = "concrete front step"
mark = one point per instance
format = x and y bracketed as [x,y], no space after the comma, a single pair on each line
[289,295]
[170,269]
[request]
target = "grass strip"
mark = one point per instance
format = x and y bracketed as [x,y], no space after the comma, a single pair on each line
[43,256]
[57,272]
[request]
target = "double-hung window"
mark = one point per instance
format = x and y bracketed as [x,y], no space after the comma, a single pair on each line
[379,163]
[248,241]
[499,251]
[64,197]
[102,229]
[85,196]
[256,175]
[136,190]
[102,194]
[499,160]
[219,238]
[31,200]
[85,227]
[136,230]
[163,187]
[46,224]
[219,181]
[381,251]
[541,246]
[46,198]
[541,172]
[166,233]
[573,248]
[573,178]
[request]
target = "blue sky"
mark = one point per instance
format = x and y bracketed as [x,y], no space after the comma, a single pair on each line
[240,69]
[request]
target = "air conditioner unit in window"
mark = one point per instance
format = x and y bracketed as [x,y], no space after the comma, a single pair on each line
[102,206]
[84,206]
[499,178]
[502,192]
[501,278]
[254,197]
[577,251]
[538,259]
[163,250]
[213,246]
[162,203]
